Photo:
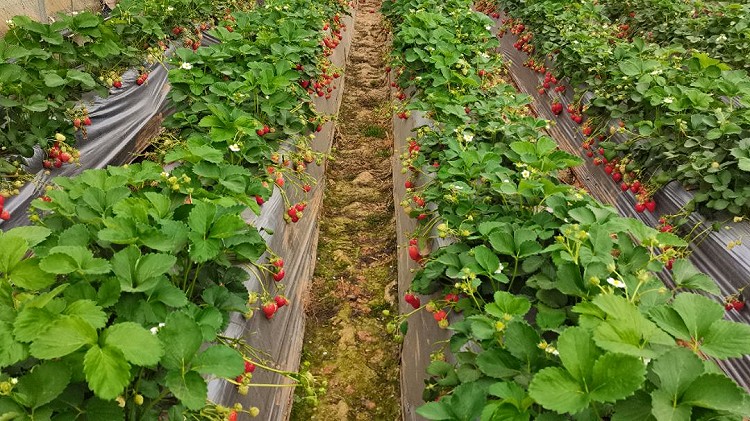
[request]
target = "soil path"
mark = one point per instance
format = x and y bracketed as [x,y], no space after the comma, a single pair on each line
[355,276]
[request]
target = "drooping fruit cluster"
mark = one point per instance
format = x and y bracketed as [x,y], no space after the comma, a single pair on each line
[60,153]
[294,213]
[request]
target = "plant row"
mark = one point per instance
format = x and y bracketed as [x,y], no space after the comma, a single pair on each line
[681,110]
[555,303]
[113,304]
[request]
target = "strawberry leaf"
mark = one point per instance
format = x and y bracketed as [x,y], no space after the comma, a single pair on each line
[181,338]
[555,389]
[46,382]
[189,388]
[219,360]
[616,376]
[107,372]
[62,337]
[136,344]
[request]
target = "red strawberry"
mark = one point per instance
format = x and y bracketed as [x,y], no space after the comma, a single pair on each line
[280,300]
[419,201]
[300,206]
[292,212]
[414,253]
[729,306]
[65,157]
[5,215]
[738,305]
[439,315]
[413,242]
[666,228]
[266,129]
[408,184]
[47,163]
[587,131]
[453,298]
[233,415]
[617,177]
[412,299]
[260,132]
[86,121]
[307,188]
[117,84]
[77,123]
[669,264]
[640,207]
[2,200]
[608,169]
[279,263]
[651,205]
[249,367]
[58,163]
[269,309]
[259,200]
[557,108]
[589,154]
[278,276]
[279,181]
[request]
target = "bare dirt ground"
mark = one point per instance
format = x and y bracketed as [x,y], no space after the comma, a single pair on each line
[355,276]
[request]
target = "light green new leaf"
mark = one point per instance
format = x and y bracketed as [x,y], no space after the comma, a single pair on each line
[687,276]
[578,352]
[107,372]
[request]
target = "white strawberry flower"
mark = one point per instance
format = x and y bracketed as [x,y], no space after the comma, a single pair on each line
[468,137]
[499,269]
[234,147]
[668,100]
[525,173]
[186,66]
[616,283]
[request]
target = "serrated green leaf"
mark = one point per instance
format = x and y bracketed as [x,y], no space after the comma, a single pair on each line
[136,344]
[486,259]
[189,388]
[578,352]
[714,391]
[726,339]
[201,217]
[435,411]
[220,361]
[32,234]
[685,275]
[29,275]
[498,363]
[555,389]
[31,322]
[44,383]
[181,338]
[64,336]
[11,352]
[12,251]
[616,376]
[88,311]
[107,372]
[676,370]
[663,407]
[507,303]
